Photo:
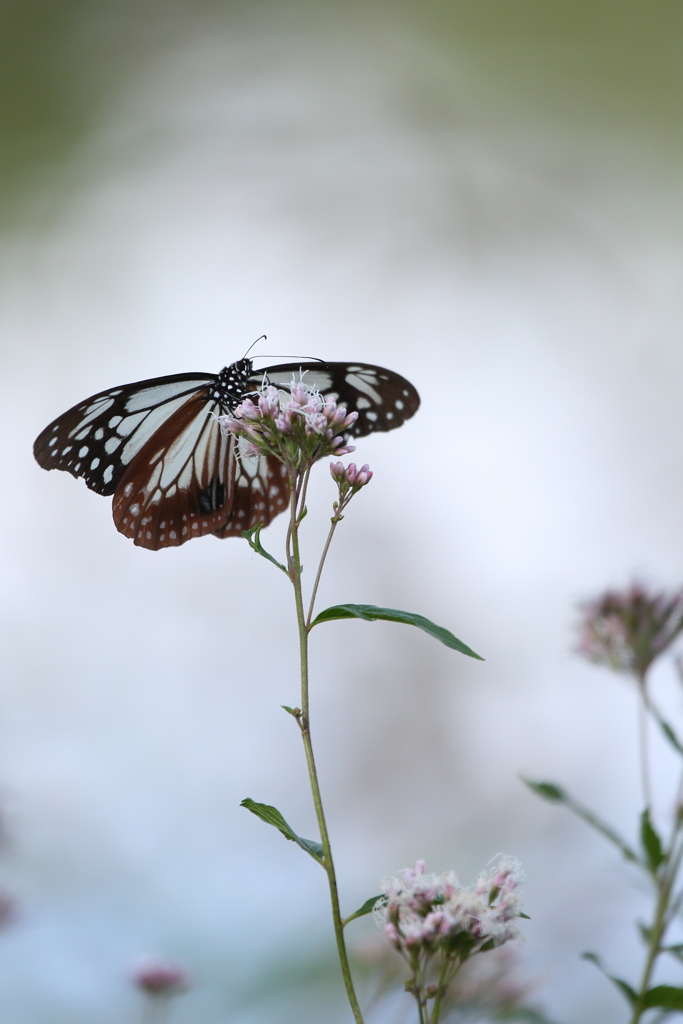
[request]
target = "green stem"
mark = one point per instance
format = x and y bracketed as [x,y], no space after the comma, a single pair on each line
[154,1010]
[314,592]
[665,879]
[643,744]
[440,992]
[294,563]
[656,936]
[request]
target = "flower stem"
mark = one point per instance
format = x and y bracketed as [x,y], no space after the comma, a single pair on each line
[440,992]
[643,743]
[665,882]
[314,592]
[294,563]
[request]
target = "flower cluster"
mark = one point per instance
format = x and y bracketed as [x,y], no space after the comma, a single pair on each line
[298,430]
[627,630]
[160,978]
[349,480]
[423,915]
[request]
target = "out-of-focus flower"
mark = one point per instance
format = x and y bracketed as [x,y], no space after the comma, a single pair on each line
[422,914]
[486,988]
[9,909]
[160,978]
[627,630]
[298,430]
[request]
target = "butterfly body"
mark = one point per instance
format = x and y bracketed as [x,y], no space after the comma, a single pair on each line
[157,446]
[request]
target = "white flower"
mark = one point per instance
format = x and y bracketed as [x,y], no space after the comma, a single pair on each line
[423,913]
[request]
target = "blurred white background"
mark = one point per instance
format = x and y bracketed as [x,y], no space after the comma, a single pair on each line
[359,184]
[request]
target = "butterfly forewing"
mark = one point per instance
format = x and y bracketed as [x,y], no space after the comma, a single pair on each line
[100,437]
[383,399]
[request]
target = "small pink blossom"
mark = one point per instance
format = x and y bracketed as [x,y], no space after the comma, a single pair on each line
[627,630]
[160,978]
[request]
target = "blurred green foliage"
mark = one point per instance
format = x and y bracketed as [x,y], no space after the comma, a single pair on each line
[617,62]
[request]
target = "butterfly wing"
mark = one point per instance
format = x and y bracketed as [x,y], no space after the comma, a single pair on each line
[99,438]
[158,448]
[181,483]
[189,480]
[383,399]
[261,491]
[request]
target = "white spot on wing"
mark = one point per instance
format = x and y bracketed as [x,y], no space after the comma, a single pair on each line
[362,385]
[149,397]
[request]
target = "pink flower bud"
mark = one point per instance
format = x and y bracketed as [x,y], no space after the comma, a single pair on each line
[392,934]
[269,403]
[229,424]
[160,978]
[338,415]
[351,418]
[364,476]
[247,410]
[316,423]
[283,422]
[299,394]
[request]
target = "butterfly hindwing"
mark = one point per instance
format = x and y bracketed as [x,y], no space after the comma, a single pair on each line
[180,485]
[260,492]
[100,437]
[383,399]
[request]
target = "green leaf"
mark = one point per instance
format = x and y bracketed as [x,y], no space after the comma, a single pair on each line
[272,816]
[676,950]
[549,791]
[666,996]
[666,728]
[370,612]
[367,908]
[253,536]
[651,843]
[626,990]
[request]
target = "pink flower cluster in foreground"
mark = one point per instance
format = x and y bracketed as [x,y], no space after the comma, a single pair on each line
[424,914]
[302,428]
[627,630]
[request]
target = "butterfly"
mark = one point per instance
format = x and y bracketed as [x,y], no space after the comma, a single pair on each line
[158,448]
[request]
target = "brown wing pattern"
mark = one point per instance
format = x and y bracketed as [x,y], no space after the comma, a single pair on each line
[260,492]
[181,483]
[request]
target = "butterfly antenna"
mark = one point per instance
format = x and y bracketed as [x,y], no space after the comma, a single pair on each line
[276,355]
[263,337]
